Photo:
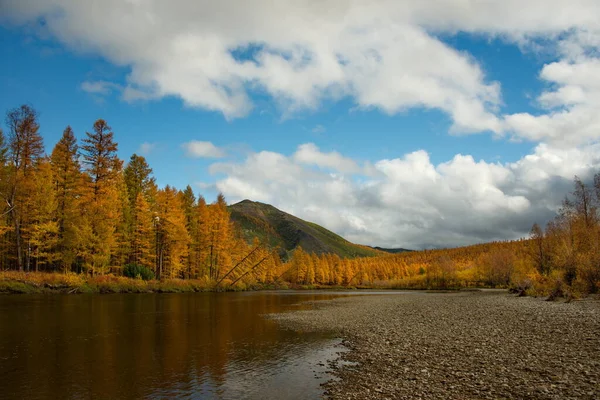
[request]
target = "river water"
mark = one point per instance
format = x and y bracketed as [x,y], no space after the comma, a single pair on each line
[198,345]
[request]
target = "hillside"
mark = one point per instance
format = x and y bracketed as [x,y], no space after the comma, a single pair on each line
[287,232]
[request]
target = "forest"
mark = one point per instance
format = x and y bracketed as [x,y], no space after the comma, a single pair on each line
[81,219]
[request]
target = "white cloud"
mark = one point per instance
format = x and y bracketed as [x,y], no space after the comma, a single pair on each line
[146,148]
[200,149]
[379,53]
[383,54]
[572,105]
[309,154]
[103,88]
[409,201]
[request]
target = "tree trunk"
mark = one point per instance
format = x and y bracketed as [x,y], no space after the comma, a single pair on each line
[17,224]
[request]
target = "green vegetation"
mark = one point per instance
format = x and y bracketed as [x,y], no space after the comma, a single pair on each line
[288,232]
[138,271]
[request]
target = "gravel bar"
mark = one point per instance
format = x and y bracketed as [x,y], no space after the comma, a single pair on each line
[465,345]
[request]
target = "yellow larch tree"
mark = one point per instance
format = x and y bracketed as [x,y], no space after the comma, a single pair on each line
[100,206]
[66,177]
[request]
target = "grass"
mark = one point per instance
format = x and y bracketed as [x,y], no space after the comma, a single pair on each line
[12,282]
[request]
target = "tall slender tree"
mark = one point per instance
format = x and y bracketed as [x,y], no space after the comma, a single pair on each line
[67,178]
[139,182]
[102,206]
[25,147]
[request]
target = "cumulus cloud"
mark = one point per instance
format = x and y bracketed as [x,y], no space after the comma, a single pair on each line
[572,105]
[383,54]
[309,154]
[200,149]
[386,55]
[410,202]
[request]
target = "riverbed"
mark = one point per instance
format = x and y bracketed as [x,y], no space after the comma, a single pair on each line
[474,345]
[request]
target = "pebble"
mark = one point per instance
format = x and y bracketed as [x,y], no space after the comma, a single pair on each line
[463,345]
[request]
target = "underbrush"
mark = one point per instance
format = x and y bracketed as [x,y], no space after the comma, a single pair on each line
[554,286]
[43,282]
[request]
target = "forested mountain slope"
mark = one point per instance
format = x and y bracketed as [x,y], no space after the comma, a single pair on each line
[288,232]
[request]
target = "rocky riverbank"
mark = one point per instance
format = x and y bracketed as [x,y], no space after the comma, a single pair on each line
[476,345]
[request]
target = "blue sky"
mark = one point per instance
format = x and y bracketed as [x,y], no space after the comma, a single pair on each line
[46,74]
[417,120]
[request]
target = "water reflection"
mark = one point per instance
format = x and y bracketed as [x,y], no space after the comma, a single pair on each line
[156,346]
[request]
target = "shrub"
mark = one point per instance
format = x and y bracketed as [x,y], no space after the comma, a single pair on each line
[135,271]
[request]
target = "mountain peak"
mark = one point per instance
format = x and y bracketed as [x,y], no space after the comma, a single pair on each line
[286,231]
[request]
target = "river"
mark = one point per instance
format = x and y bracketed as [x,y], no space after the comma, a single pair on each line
[199,345]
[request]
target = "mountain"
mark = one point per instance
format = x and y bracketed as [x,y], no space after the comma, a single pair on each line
[287,232]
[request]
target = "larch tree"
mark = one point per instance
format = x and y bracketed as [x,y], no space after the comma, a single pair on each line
[538,250]
[5,210]
[143,233]
[173,238]
[200,237]
[25,147]
[221,239]
[101,205]
[66,173]
[138,178]
[139,182]
[188,201]
[43,230]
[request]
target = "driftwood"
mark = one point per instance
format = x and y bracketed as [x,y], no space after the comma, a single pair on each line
[247,272]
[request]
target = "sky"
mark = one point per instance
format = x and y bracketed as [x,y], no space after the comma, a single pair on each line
[415,124]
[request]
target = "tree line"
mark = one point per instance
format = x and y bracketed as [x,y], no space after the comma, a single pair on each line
[82,209]
[563,258]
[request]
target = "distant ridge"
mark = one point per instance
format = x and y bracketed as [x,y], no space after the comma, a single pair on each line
[287,232]
[392,251]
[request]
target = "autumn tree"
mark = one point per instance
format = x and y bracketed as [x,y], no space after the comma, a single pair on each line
[25,148]
[42,231]
[539,251]
[143,233]
[67,178]
[5,210]
[100,209]
[188,201]
[173,238]
[200,246]
[138,178]
[220,237]
[139,182]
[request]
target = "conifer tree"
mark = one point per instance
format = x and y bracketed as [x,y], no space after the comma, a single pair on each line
[25,147]
[139,181]
[188,201]
[42,230]
[67,179]
[101,205]
[143,233]
[173,236]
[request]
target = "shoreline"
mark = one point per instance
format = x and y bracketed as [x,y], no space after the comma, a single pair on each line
[465,345]
[15,283]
